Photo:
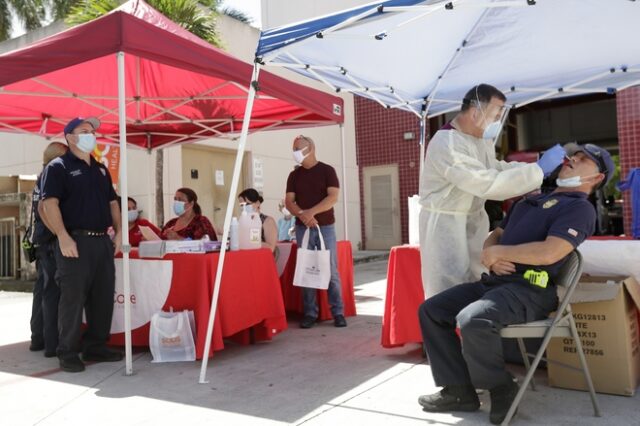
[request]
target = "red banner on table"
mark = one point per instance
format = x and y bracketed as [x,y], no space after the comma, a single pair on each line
[109,155]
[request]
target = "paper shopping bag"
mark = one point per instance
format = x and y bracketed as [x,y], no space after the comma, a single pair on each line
[313,266]
[171,337]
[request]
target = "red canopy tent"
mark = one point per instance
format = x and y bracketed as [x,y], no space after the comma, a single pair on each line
[178,88]
[172,88]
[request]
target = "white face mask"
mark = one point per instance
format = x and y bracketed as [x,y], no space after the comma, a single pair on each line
[86,142]
[133,215]
[247,208]
[572,182]
[492,130]
[298,155]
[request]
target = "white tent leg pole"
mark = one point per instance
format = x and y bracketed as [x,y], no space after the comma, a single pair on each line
[124,217]
[344,183]
[423,142]
[227,220]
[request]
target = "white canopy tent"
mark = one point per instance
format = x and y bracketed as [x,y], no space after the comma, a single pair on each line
[422,56]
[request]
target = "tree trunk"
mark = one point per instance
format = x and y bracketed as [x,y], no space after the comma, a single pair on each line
[159,187]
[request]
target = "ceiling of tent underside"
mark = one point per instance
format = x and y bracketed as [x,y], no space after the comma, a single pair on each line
[430,53]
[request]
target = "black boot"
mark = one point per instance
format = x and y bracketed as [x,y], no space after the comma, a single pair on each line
[502,397]
[451,398]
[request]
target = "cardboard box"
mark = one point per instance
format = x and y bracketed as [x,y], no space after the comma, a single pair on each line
[604,309]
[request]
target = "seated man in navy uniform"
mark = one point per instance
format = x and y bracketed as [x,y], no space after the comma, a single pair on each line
[523,254]
[79,204]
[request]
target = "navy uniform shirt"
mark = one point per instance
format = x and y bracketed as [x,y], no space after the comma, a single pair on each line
[566,215]
[40,233]
[84,192]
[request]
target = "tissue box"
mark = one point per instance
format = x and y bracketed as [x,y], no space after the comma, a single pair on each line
[160,248]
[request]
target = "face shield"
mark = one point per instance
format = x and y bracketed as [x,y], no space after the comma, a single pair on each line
[493,119]
[493,116]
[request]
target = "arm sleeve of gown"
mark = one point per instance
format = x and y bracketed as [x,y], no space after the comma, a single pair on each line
[469,174]
[506,165]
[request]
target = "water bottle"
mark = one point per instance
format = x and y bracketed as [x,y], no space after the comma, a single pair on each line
[249,231]
[255,233]
[234,240]
[243,230]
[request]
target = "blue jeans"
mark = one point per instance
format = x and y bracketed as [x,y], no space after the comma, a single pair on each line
[309,302]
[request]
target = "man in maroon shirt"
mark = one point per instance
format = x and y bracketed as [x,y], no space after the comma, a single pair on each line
[312,190]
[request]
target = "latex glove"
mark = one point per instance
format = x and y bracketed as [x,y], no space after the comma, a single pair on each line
[551,159]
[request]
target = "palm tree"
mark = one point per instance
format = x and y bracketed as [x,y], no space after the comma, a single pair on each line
[236,14]
[59,9]
[29,12]
[196,16]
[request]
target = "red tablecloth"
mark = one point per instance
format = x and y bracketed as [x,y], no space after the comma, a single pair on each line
[293,295]
[609,237]
[250,300]
[400,323]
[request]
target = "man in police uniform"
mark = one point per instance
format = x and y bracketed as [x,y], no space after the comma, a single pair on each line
[79,204]
[523,254]
[46,294]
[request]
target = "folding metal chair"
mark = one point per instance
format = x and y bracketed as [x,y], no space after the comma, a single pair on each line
[561,325]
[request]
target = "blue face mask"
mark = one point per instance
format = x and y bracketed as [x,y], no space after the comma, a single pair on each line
[86,142]
[178,207]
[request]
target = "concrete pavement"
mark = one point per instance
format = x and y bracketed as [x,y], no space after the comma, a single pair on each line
[322,376]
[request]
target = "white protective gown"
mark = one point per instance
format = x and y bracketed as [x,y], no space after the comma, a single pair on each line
[460,173]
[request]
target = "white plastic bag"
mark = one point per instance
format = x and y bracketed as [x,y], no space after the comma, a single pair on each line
[313,267]
[171,337]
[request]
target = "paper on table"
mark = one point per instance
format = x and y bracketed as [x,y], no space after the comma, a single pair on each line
[148,234]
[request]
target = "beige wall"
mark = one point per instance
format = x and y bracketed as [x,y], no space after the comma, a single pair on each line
[21,154]
[280,12]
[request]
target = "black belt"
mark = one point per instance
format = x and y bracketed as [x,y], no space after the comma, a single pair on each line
[87,233]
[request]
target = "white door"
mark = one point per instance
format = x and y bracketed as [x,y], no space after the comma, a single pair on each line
[208,171]
[381,207]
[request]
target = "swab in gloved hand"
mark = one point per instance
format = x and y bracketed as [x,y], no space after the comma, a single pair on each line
[551,159]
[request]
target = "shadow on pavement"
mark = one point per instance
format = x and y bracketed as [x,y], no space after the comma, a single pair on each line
[285,379]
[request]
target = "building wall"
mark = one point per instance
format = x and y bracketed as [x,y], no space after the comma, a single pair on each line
[380,141]
[281,12]
[628,106]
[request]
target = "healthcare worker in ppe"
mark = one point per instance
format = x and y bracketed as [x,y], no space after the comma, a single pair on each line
[460,173]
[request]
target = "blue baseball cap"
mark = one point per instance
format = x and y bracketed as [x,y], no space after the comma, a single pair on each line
[71,126]
[600,156]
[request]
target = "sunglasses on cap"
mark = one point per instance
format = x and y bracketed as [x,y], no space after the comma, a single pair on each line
[595,152]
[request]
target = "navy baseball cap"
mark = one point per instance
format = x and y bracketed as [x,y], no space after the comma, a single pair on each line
[600,156]
[70,127]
